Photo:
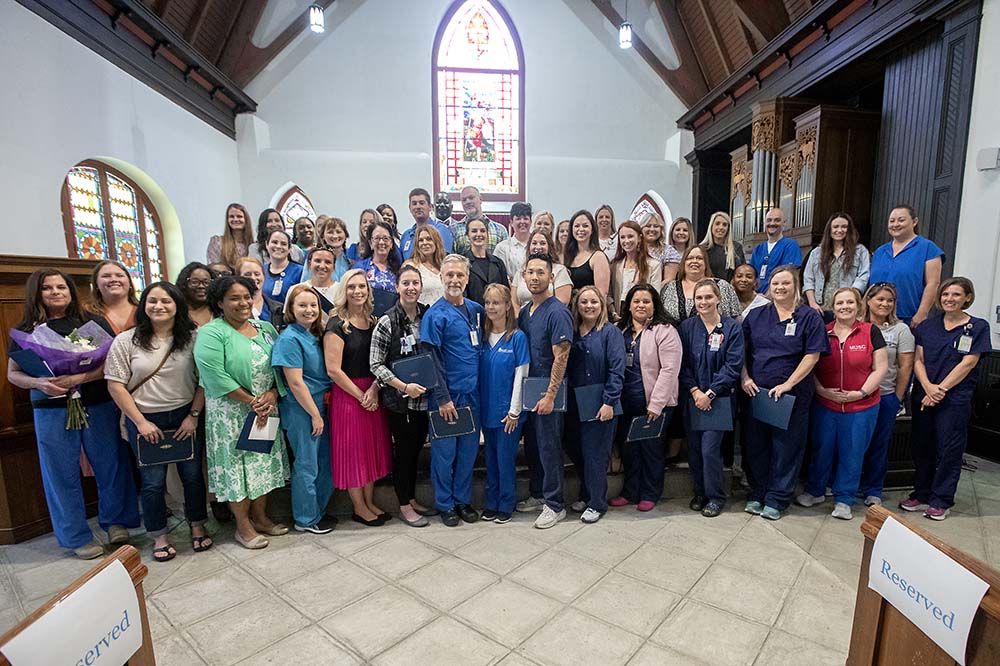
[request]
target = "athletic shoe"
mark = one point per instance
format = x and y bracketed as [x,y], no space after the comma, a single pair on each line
[712,509]
[646,505]
[322,527]
[754,507]
[913,505]
[842,511]
[530,504]
[591,515]
[549,518]
[873,500]
[578,506]
[935,513]
[770,513]
[502,518]
[488,514]
[805,499]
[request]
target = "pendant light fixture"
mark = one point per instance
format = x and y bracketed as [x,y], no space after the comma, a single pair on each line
[625,31]
[316,22]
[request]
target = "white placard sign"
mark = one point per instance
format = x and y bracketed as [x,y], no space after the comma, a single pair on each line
[98,625]
[932,590]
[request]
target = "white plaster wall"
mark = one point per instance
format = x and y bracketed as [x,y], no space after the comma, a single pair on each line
[347,116]
[63,103]
[978,249]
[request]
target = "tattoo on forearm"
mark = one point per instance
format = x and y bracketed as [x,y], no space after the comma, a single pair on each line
[558,367]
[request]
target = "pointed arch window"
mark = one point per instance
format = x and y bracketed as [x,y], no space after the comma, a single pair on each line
[107,216]
[294,204]
[478,102]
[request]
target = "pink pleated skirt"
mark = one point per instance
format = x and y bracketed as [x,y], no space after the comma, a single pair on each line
[359,440]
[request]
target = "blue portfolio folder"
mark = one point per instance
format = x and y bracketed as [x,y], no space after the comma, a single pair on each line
[245,443]
[167,450]
[534,388]
[589,401]
[719,418]
[383,301]
[417,369]
[465,425]
[774,413]
[641,429]
[31,363]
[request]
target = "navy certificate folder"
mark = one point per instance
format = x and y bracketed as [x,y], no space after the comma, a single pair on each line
[719,418]
[31,363]
[534,388]
[167,450]
[383,301]
[465,425]
[417,369]
[246,443]
[589,401]
[766,410]
[642,429]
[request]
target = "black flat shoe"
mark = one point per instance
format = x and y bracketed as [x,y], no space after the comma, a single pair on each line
[697,503]
[378,522]
[450,518]
[467,513]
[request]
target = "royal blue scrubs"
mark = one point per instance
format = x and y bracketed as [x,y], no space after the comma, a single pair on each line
[595,358]
[408,241]
[906,271]
[497,366]
[289,277]
[549,325]
[453,334]
[709,366]
[785,251]
[312,481]
[773,456]
[940,433]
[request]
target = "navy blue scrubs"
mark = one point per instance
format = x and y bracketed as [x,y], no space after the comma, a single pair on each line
[774,348]
[549,325]
[595,358]
[940,433]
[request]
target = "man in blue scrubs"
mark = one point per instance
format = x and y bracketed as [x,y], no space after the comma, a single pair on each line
[420,209]
[451,330]
[775,251]
[549,327]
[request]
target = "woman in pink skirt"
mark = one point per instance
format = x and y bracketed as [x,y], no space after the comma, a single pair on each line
[359,436]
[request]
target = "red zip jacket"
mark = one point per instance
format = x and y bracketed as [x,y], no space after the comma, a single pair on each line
[847,367]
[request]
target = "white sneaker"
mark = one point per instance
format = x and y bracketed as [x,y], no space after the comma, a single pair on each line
[530,504]
[805,499]
[842,511]
[549,518]
[578,506]
[591,516]
[872,500]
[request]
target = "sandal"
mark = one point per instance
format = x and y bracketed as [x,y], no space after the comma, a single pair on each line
[167,552]
[198,543]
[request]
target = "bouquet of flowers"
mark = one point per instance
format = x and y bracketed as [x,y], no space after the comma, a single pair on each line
[84,349]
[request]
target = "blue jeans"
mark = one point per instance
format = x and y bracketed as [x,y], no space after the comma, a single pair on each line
[939,437]
[452,461]
[588,445]
[876,463]
[545,435]
[772,457]
[500,451]
[312,481]
[705,457]
[843,437]
[59,455]
[154,477]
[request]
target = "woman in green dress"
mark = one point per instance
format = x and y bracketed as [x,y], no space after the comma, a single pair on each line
[233,353]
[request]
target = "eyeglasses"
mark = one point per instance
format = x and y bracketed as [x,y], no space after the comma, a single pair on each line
[192,282]
[381,239]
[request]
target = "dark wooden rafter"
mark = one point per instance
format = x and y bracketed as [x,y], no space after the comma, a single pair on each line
[687,81]
[197,21]
[763,19]
[717,40]
[680,37]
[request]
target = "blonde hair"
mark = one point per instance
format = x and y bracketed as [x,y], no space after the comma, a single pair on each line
[340,298]
[858,300]
[316,328]
[544,213]
[602,318]
[245,260]
[653,217]
[792,270]
[710,283]
[501,293]
[709,241]
[437,257]
[691,242]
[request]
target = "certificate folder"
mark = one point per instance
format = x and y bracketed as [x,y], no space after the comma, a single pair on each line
[766,410]
[258,440]
[167,450]
[641,429]
[589,400]
[383,301]
[465,425]
[534,388]
[719,418]
[417,369]
[31,363]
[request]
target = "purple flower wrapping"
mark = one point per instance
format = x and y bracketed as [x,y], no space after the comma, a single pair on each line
[62,355]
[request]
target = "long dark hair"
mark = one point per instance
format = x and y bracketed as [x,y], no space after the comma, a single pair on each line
[392,260]
[572,247]
[262,227]
[826,245]
[660,314]
[183,329]
[34,312]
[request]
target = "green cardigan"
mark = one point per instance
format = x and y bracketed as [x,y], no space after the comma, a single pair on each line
[223,357]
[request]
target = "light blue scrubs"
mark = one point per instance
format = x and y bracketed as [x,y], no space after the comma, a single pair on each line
[453,334]
[312,480]
[496,383]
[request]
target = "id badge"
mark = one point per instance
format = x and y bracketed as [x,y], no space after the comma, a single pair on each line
[715,341]
[474,338]
[763,271]
[964,344]
[276,289]
[628,360]
[790,329]
[404,345]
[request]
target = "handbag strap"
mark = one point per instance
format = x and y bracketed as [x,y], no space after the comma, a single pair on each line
[152,374]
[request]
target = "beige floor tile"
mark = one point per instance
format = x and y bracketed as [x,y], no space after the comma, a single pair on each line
[350,538]
[396,557]
[573,638]
[42,582]
[285,564]
[777,562]
[159,625]
[740,593]
[243,631]
[711,635]
[597,543]
[820,618]
[784,649]
[191,566]
[442,643]
[687,535]
[447,581]
[8,618]
[845,572]
[554,534]
[655,655]
[500,553]
[173,650]
[633,524]
[8,594]
[450,539]
[962,532]
[507,612]
[559,575]
[801,529]
[398,615]
[832,542]
[197,599]
[307,647]
[628,603]
[514,659]
[665,568]
[320,592]
[34,553]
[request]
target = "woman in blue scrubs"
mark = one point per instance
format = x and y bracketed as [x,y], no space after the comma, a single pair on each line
[912,263]
[502,369]
[948,349]
[784,341]
[713,359]
[597,357]
[280,273]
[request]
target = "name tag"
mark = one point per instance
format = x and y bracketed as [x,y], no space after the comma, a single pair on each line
[407,343]
[763,271]
[276,289]
[790,329]
[474,338]
[628,360]
[964,345]
[715,341]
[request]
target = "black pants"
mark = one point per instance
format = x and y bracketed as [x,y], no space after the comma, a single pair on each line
[409,434]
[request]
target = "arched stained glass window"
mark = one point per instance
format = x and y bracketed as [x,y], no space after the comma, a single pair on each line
[107,216]
[295,204]
[478,102]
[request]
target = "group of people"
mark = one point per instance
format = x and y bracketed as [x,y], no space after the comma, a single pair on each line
[582,337]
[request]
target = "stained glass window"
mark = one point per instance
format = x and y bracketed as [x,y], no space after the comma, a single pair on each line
[109,217]
[295,204]
[479,132]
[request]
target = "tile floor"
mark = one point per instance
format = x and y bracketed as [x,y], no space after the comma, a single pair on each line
[668,587]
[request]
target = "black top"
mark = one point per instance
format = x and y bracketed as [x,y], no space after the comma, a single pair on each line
[357,344]
[482,272]
[717,261]
[582,276]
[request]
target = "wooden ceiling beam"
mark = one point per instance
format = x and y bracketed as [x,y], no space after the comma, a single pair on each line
[677,30]
[717,41]
[160,7]
[764,19]
[197,21]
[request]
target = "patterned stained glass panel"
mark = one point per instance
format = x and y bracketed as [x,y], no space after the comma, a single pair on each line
[84,187]
[478,37]
[153,246]
[125,223]
[296,205]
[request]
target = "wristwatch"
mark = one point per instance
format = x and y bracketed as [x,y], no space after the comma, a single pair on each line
[711,394]
[863,393]
[195,413]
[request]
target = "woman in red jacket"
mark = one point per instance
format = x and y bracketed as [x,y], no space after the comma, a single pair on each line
[847,403]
